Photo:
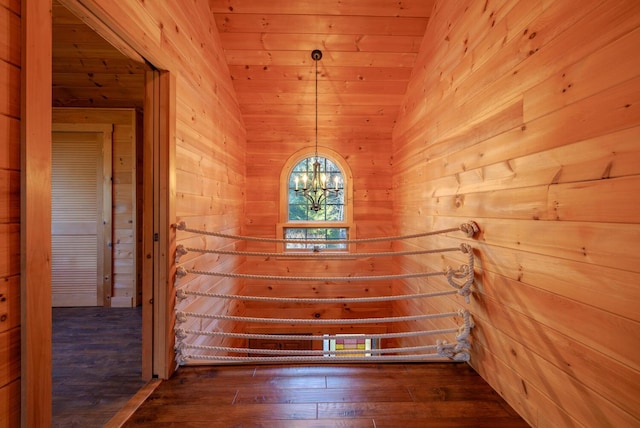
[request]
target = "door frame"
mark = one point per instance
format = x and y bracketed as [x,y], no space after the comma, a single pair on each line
[35,235]
[35,213]
[158,230]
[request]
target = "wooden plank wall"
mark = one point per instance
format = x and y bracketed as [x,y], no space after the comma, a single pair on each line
[9,213]
[525,116]
[372,218]
[210,136]
[126,128]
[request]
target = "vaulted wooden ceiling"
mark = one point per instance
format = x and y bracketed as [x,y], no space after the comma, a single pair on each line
[369,49]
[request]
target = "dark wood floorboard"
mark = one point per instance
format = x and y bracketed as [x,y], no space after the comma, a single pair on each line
[446,395]
[97,354]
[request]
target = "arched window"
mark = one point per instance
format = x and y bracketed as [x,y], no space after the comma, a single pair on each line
[331,204]
[316,214]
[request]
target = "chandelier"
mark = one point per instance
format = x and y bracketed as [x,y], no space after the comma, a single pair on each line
[316,188]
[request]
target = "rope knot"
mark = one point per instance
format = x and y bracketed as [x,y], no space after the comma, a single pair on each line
[181,272]
[181,318]
[466,248]
[471,228]
[181,359]
[181,225]
[462,356]
[444,349]
[181,294]
[463,272]
[180,251]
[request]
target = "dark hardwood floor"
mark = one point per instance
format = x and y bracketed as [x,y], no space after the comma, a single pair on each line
[97,358]
[441,395]
[96,370]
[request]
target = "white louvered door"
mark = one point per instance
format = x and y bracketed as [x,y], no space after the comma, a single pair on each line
[81,216]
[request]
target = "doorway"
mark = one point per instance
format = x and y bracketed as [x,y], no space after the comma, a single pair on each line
[98,103]
[35,298]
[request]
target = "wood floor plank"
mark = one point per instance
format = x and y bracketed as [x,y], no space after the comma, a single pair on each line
[473,422]
[385,381]
[439,369]
[224,413]
[325,423]
[451,391]
[410,410]
[354,395]
[315,370]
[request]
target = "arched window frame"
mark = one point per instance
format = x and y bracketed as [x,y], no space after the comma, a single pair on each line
[347,176]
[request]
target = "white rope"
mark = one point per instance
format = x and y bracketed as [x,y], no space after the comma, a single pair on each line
[182,294]
[182,271]
[184,358]
[239,350]
[182,317]
[460,352]
[182,334]
[181,251]
[465,329]
[465,271]
[470,229]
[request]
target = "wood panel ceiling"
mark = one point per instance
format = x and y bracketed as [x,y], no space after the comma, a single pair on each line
[369,50]
[87,70]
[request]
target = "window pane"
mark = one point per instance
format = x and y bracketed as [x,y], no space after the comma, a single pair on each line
[334,212]
[336,198]
[292,195]
[315,215]
[323,234]
[298,212]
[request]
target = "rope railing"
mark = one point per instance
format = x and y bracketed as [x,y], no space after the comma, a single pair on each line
[182,333]
[462,330]
[453,276]
[198,340]
[470,228]
[182,272]
[187,358]
[319,352]
[182,316]
[181,250]
[184,294]
[456,352]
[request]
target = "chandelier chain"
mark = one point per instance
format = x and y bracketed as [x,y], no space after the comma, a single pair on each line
[316,61]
